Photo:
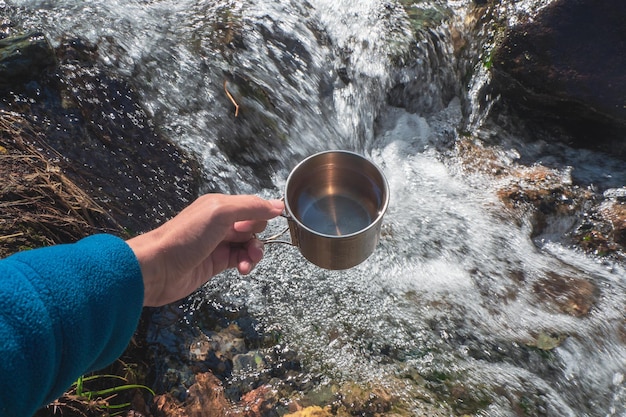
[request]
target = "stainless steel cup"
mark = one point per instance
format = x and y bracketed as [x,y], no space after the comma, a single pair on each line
[334,204]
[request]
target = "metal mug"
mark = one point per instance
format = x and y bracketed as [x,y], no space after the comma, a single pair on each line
[334,205]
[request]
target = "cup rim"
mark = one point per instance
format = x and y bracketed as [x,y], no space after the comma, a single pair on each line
[373,223]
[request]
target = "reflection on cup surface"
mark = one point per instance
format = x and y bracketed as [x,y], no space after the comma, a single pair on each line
[334,215]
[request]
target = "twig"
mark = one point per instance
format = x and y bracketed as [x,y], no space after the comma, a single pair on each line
[232,100]
[13,235]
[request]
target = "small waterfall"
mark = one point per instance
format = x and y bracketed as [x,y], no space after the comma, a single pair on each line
[452,298]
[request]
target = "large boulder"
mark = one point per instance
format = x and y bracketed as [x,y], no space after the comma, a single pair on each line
[567,68]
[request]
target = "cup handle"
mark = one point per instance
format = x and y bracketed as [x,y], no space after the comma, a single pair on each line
[276,238]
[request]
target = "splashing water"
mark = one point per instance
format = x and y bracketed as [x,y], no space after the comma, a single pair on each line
[451,291]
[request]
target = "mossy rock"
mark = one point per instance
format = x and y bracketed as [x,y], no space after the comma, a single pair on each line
[23,58]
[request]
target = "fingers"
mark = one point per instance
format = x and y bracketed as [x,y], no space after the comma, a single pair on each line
[251,215]
[237,208]
[250,257]
[247,233]
[255,250]
[247,256]
[245,227]
[250,226]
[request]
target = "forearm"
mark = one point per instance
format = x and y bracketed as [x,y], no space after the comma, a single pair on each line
[64,310]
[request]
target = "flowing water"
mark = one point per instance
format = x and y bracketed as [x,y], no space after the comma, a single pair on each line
[449,297]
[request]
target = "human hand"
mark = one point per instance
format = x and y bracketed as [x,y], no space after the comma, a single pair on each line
[212,234]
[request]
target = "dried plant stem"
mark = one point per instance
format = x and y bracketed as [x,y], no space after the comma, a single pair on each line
[11,236]
[232,100]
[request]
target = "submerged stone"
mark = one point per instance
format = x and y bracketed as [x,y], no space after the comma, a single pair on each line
[206,396]
[313,411]
[571,295]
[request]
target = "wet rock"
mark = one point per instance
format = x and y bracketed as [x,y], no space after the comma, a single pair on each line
[477,158]
[372,399]
[427,16]
[555,205]
[615,213]
[603,231]
[468,399]
[565,69]
[596,241]
[200,349]
[149,176]
[166,406]
[358,400]
[615,194]
[251,361]
[313,411]
[547,194]
[218,351]
[571,295]
[24,58]
[206,399]
[260,402]
[228,342]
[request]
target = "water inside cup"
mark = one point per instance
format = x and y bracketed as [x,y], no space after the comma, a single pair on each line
[335,215]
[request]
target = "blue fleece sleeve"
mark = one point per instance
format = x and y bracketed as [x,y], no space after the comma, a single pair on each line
[64,310]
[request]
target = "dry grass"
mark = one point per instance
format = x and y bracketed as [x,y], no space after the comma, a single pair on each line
[39,204]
